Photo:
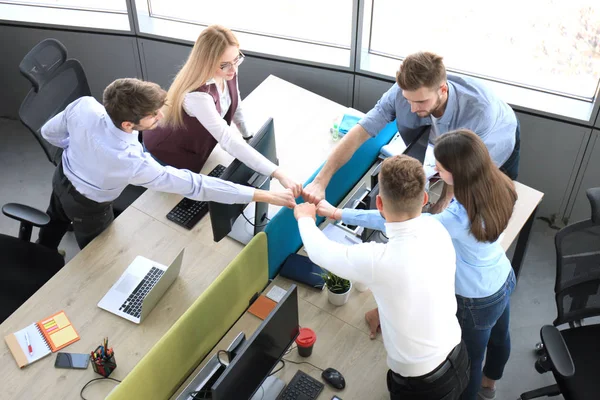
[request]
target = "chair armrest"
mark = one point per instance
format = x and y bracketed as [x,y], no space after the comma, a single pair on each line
[557,351]
[26,214]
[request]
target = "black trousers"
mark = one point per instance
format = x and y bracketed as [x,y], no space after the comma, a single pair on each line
[446,382]
[68,206]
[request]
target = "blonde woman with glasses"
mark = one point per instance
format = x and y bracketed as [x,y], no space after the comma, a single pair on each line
[202,103]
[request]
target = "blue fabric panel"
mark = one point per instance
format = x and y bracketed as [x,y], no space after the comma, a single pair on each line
[282,231]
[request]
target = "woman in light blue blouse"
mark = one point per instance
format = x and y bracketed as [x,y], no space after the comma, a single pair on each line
[482,206]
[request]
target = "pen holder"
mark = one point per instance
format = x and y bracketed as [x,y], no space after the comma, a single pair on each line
[104,366]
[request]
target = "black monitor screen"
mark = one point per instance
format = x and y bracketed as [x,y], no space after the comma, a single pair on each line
[261,352]
[222,216]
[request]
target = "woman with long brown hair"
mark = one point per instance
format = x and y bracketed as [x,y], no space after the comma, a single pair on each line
[202,103]
[482,206]
[483,203]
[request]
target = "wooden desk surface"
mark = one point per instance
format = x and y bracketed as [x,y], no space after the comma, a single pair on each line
[144,230]
[528,200]
[302,121]
[341,344]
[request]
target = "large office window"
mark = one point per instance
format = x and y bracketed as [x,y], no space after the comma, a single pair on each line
[313,30]
[105,14]
[548,46]
[89,5]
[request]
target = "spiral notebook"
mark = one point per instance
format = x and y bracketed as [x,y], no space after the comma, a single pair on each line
[46,336]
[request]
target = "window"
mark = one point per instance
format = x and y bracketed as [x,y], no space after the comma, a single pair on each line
[89,5]
[547,45]
[313,30]
[106,14]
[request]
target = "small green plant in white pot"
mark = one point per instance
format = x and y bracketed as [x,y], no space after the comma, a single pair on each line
[338,289]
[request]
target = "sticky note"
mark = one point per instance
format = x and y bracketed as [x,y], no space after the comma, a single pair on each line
[63,336]
[61,320]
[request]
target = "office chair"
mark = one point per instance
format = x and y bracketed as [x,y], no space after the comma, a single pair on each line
[573,354]
[24,266]
[57,82]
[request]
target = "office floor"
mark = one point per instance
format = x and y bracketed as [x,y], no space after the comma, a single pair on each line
[26,178]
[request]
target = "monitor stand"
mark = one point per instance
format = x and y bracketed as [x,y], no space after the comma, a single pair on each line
[242,231]
[270,389]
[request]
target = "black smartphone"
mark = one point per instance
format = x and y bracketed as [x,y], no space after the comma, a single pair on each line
[72,360]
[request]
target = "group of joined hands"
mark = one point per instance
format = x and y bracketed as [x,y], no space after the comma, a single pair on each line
[313,195]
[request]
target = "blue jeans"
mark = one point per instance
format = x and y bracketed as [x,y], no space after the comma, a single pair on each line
[484,324]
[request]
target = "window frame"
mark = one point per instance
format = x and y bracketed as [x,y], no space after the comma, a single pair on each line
[320,54]
[521,97]
[62,18]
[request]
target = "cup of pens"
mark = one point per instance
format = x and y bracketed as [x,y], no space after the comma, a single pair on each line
[103,359]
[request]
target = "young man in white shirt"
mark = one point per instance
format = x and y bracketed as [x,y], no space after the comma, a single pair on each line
[102,155]
[412,280]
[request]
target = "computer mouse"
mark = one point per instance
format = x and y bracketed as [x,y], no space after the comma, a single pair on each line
[334,378]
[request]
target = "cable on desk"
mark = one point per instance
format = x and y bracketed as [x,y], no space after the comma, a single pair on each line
[94,380]
[253,224]
[299,362]
[279,369]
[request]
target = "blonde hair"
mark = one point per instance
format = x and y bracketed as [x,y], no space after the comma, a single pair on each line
[200,66]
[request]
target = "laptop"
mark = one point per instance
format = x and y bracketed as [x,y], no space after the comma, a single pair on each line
[140,287]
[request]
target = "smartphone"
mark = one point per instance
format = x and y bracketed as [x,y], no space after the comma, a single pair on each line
[336,398]
[72,360]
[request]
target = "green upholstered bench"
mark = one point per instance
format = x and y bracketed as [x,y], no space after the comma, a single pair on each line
[166,366]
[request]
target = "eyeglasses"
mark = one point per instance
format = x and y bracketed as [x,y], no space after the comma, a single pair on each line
[228,66]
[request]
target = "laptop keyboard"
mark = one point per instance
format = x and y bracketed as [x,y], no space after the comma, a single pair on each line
[302,387]
[188,213]
[133,304]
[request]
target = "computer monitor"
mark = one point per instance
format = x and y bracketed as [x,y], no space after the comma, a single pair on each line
[261,353]
[222,216]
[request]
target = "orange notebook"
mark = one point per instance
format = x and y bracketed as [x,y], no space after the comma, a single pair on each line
[44,337]
[262,307]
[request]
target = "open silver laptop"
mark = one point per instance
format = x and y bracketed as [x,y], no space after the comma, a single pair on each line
[140,287]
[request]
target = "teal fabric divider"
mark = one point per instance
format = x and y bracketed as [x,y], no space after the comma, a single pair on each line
[282,231]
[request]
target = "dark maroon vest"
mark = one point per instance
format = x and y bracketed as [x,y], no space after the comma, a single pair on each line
[189,147]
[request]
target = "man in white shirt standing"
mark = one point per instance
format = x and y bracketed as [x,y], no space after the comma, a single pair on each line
[102,155]
[412,280]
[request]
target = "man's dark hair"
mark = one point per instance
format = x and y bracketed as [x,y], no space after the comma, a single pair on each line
[131,99]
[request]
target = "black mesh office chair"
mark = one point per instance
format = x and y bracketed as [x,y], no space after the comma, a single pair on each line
[57,82]
[24,266]
[573,354]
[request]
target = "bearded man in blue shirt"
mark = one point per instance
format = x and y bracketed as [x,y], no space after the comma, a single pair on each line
[424,95]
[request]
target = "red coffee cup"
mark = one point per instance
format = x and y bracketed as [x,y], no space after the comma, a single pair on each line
[305,341]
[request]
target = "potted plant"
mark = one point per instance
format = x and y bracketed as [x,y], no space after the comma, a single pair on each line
[338,289]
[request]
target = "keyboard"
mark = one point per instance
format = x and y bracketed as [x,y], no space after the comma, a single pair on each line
[133,304]
[302,387]
[188,213]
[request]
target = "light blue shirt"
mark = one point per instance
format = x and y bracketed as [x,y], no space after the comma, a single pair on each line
[481,268]
[470,105]
[100,160]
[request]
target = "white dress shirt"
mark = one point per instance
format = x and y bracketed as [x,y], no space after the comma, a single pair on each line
[202,106]
[412,280]
[100,160]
